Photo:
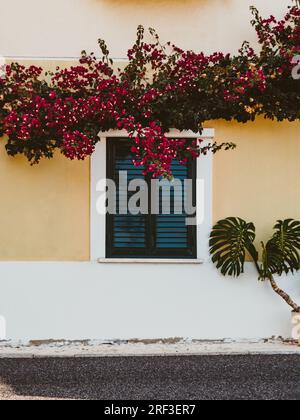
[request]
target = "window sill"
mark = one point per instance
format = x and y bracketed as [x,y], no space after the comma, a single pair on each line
[148,261]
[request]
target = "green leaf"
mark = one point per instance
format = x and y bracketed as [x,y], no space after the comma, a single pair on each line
[229,241]
[282,251]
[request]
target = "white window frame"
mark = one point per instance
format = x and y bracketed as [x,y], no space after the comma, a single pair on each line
[98,222]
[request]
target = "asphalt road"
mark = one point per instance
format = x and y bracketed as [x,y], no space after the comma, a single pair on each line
[136,378]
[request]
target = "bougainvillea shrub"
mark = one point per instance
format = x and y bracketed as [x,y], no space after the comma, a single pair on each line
[161,87]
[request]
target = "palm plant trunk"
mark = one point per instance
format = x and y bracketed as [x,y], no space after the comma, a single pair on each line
[284,295]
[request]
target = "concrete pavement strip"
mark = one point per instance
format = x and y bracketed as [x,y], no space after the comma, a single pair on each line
[168,347]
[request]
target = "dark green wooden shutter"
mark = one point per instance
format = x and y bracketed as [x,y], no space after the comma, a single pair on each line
[171,229]
[147,236]
[127,233]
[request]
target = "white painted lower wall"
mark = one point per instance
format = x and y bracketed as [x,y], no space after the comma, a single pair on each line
[41,301]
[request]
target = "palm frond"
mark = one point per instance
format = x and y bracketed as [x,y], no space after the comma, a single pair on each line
[229,240]
[282,250]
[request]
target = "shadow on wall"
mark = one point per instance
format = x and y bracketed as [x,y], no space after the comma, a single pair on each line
[2,328]
[199,25]
[155,3]
[158,3]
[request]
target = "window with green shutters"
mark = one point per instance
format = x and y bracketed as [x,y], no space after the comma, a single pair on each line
[159,235]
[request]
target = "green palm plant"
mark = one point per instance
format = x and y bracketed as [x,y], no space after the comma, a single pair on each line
[232,238]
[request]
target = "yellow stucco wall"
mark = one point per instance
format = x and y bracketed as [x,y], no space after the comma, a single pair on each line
[259,181]
[44,212]
[56,28]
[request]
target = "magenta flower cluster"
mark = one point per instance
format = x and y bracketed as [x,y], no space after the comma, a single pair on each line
[161,87]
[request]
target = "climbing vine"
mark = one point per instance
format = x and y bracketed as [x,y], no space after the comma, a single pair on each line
[161,87]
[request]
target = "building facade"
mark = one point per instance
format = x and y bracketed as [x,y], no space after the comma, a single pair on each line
[56,281]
